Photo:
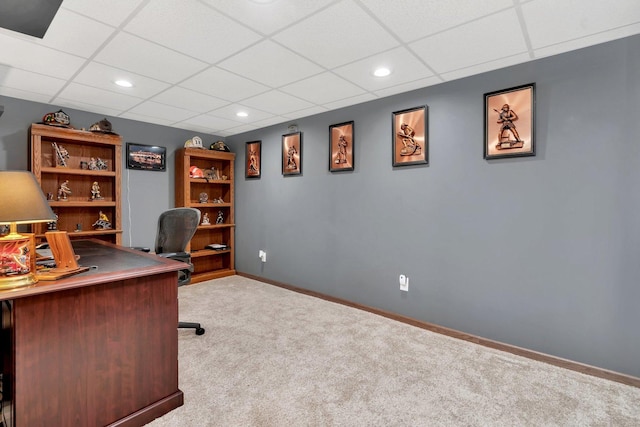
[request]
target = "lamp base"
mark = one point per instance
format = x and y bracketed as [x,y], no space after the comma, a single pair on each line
[16,282]
[17,261]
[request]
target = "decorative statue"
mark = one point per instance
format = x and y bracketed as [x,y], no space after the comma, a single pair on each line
[103,222]
[95,192]
[64,191]
[61,155]
[205,219]
[220,219]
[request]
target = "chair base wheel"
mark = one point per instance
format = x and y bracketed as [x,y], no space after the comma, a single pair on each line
[199,331]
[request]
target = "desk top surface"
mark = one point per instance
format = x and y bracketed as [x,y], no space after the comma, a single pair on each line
[107,263]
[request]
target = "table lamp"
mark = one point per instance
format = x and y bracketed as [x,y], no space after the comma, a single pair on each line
[22,202]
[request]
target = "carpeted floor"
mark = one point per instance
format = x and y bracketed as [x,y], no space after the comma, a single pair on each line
[273,357]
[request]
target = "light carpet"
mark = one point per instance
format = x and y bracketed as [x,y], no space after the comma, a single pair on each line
[274,357]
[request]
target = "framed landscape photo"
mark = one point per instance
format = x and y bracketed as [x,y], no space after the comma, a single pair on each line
[146,157]
[253,159]
[292,154]
[341,147]
[509,122]
[410,143]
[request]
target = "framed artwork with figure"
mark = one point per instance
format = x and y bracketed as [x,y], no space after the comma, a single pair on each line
[253,159]
[410,144]
[292,154]
[341,145]
[509,122]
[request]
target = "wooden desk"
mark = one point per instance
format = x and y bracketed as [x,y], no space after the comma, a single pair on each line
[99,348]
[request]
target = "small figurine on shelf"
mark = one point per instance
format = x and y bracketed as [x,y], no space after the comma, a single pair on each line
[220,219]
[205,219]
[218,200]
[64,191]
[97,164]
[102,223]
[203,197]
[61,155]
[95,192]
[102,164]
[53,225]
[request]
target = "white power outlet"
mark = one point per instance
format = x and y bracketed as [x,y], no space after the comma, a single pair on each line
[404,283]
[262,255]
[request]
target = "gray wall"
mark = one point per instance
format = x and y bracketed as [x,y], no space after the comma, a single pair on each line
[144,193]
[539,252]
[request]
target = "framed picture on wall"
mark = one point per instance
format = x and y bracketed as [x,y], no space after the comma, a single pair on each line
[509,122]
[341,145]
[292,154]
[146,157]
[253,159]
[410,142]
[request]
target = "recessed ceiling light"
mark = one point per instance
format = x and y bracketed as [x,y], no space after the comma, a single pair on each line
[242,114]
[124,83]
[382,72]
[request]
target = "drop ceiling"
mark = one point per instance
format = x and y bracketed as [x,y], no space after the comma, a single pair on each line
[195,64]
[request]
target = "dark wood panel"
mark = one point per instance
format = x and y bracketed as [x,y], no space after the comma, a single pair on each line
[95,355]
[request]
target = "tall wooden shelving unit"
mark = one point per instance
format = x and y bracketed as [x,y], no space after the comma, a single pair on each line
[208,263]
[79,209]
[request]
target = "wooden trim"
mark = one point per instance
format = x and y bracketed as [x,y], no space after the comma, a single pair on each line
[519,351]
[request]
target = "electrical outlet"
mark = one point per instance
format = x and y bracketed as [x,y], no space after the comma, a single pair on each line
[404,283]
[262,255]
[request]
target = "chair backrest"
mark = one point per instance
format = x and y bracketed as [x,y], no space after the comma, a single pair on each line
[176,227]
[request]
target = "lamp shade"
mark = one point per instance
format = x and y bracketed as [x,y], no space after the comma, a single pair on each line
[23,201]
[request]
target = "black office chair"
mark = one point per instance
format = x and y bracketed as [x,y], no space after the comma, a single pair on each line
[176,227]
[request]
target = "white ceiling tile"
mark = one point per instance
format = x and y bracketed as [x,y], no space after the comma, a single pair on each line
[223,84]
[272,121]
[404,66]
[239,129]
[268,17]
[480,44]
[99,110]
[413,19]
[572,19]
[139,56]
[144,119]
[197,130]
[76,34]
[280,58]
[112,12]
[24,94]
[306,112]
[210,122]
[98,97]
[270,64]
[189,100]
[485,66]
[31,82]
[18,53]
[350,101]
[103,76]
[605,36]
[330,37]
[230,112]
[416,84]
[167,112]
[276,102]
[326,87]
[197,30]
